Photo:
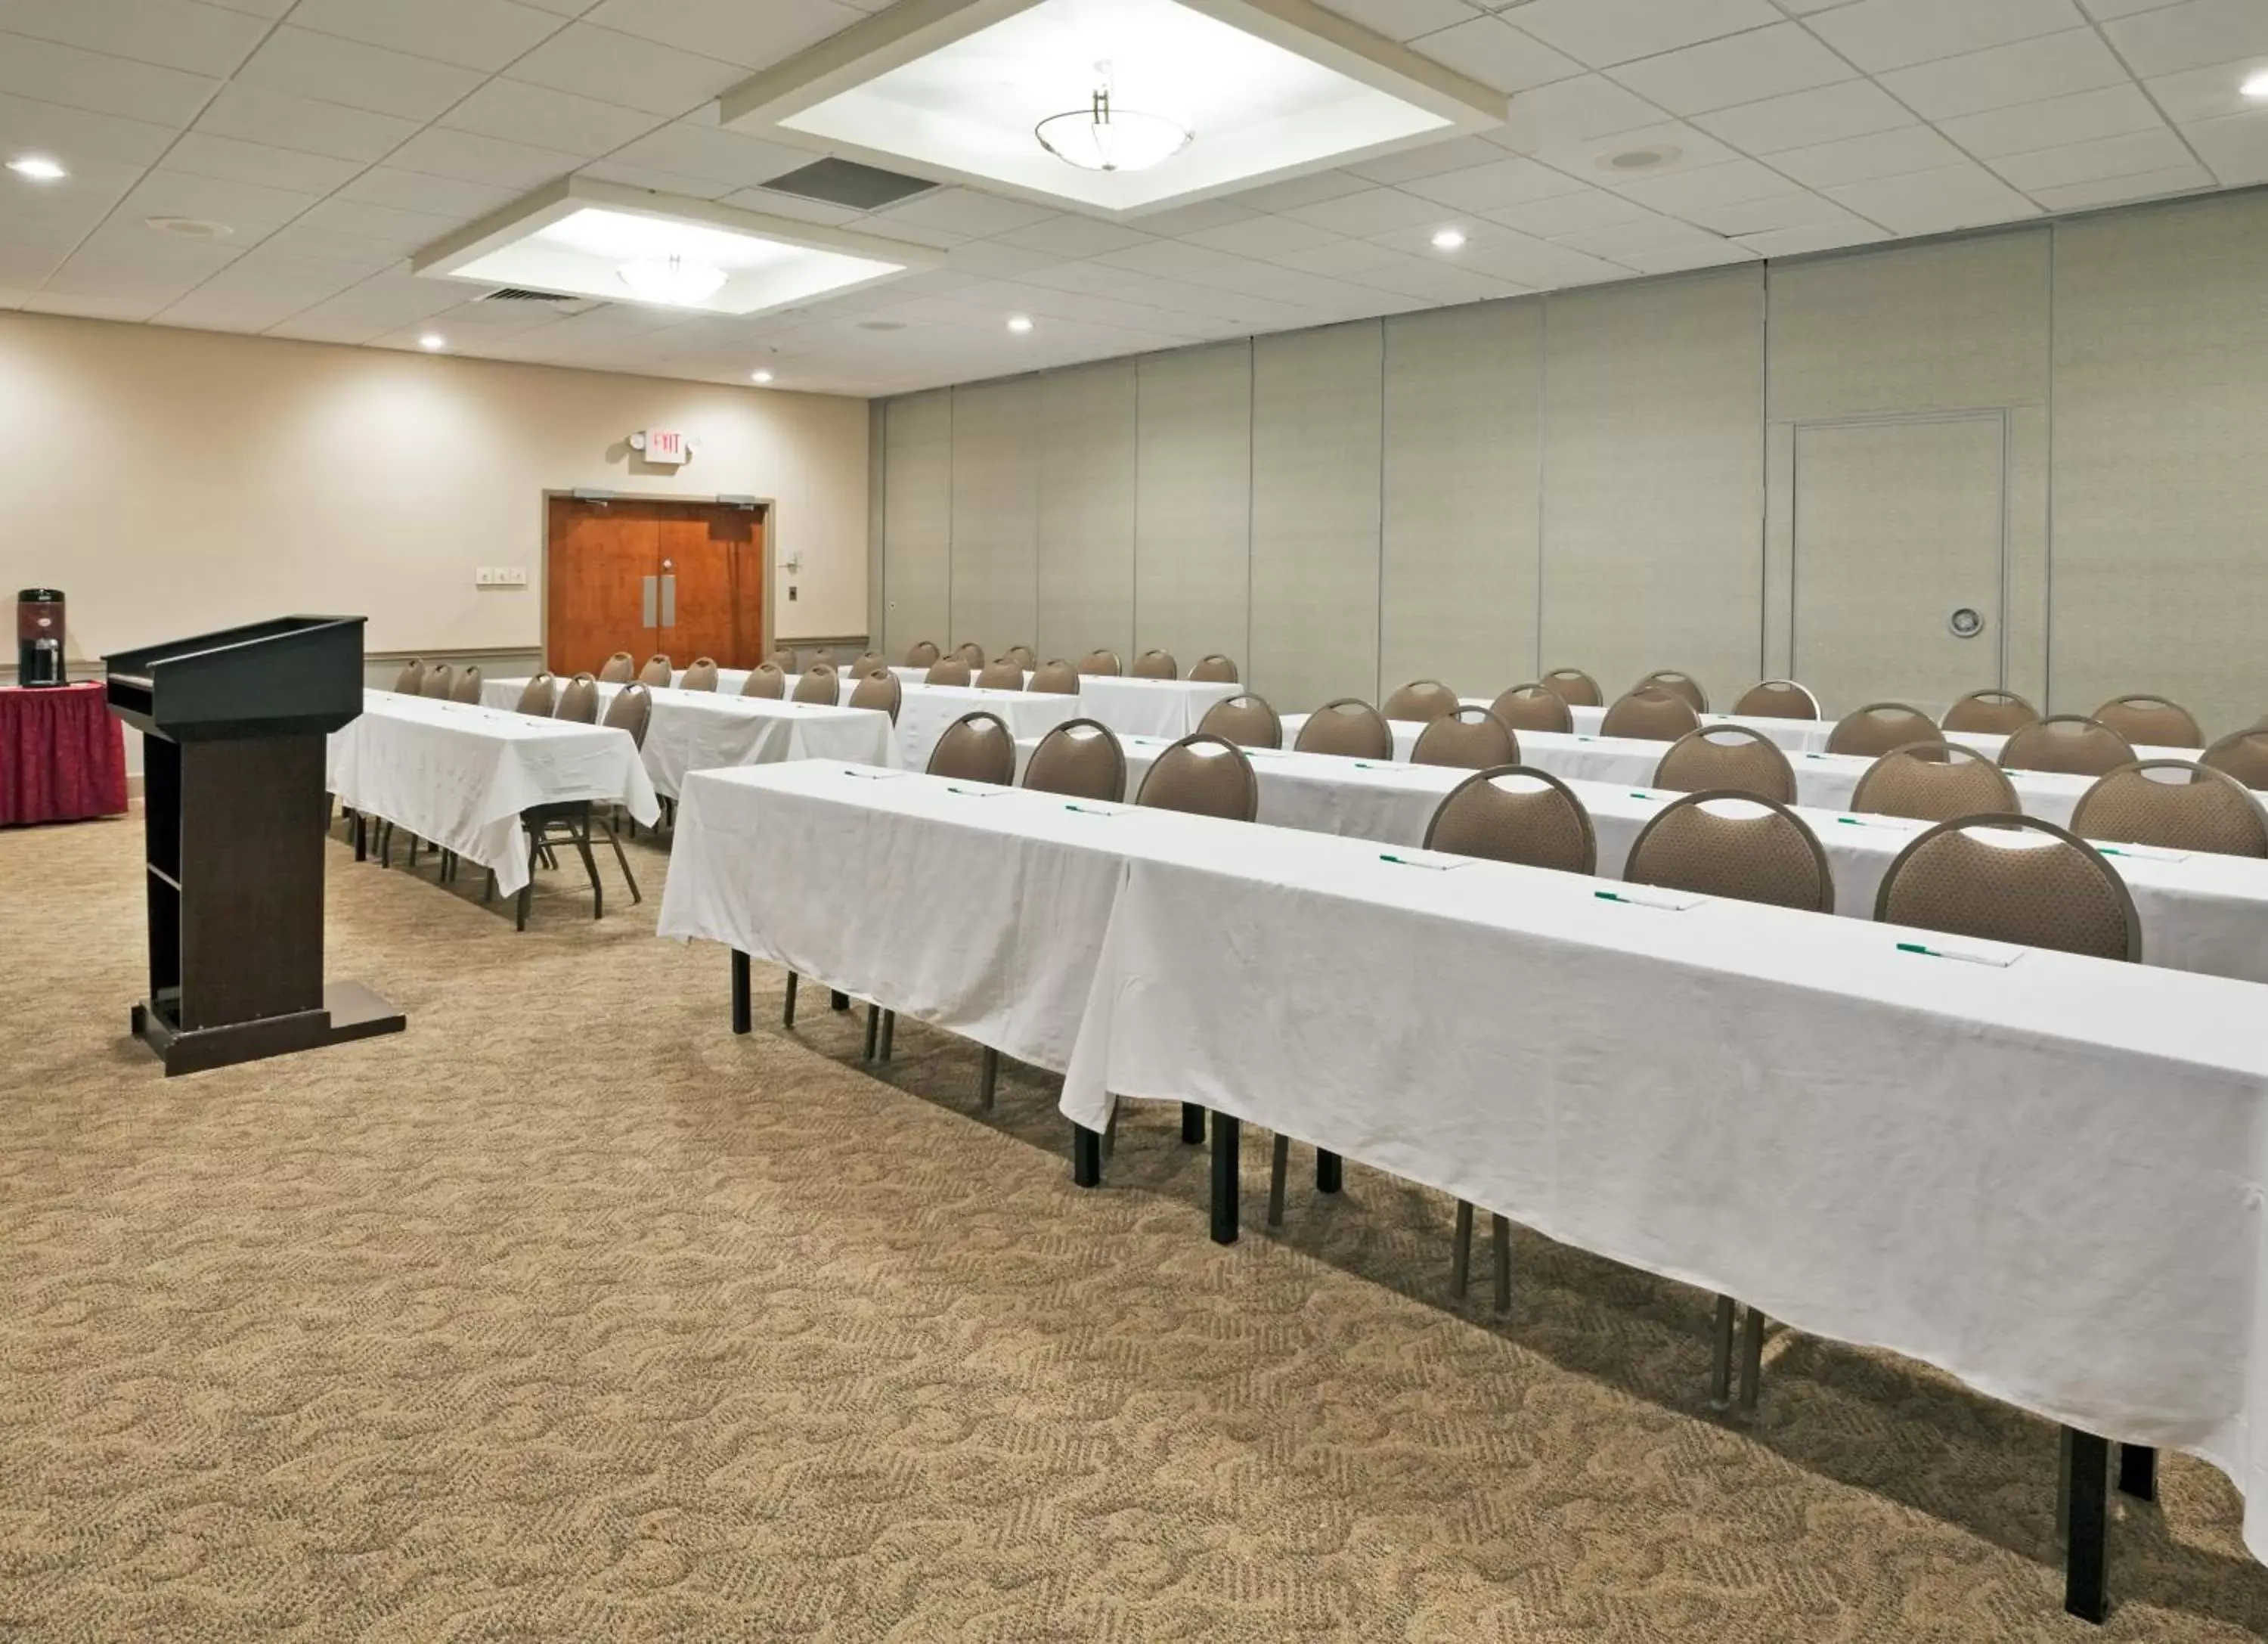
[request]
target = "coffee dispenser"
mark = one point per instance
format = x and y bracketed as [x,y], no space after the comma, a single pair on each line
[39,637]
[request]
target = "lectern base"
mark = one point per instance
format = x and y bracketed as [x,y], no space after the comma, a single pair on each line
[351,1011]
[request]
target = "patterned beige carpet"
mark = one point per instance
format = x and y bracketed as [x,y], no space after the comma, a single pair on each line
[568,1316]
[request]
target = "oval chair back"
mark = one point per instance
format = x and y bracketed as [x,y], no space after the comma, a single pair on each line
[1729,759]
[2012,879]
[922,652]
[1349,727]
[1205,775]
[1575,687]
[976,748]
[972,654]
[1420,702]
[884,692]
[1001,674]
[1652,715]
[1245,719]
[631,710]
[467,688]
[1026,659]
[1155,664]
[658,671]
[1104,662]
[2190,807]
[1214,669]
[1472,738]
[619,669]
[411,681]
[783,658]
[868,662]
[2243,755]
[1080,759]
[700,675]
[1933,782]
[952,670]
[1057,678]
[1677,684]
[1534,707]
[579,701]
[2149,721]
[820,684]
[538,697]
[766,679]
[1876,729]
[1513,814]
[1777,699]
[440,680]
[1736,846]
[2069,743]
[1990,713]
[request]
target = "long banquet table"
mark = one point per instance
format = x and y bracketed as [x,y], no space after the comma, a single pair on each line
[1169,708]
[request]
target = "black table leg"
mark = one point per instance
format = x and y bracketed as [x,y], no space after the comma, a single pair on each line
[2138,1471]
[1086,1156]
[2086,1546]
[839,1001]
[740,991]
[787,1011]
[1329,1172]
[1227,1132]
[1192,1123]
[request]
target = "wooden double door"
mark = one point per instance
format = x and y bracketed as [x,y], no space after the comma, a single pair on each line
[686,578]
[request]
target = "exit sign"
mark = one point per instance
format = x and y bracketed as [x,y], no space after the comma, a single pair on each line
[666,446]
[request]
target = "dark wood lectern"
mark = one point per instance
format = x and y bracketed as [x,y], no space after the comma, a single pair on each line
[234,796]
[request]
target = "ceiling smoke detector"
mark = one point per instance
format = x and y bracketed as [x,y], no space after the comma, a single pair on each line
[189,227]
[1648,158]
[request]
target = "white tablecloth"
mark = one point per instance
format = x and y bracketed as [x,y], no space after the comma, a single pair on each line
[731,681]
[459,774]
[1170,708]
[694,730]
[920,675]
[2199,913]
[928,710]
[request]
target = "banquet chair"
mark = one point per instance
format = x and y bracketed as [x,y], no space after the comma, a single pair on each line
[1080,759]
[700,675]
[2243,755]
[1677,684]
[1534,707]
[1203,774]
[1155,664]
[783,658]
[922,652]
[1058,678]
[868,662]
[439,681]
[1652,715]
[658,672]
[883,692]
[824,654]
[1245,719]
[766,679]
[1990,713]
[467,686]
[1991,879]
[1214,669]
[579,701]
[1876,729]
[1420,702]
[1348,726]
[1026,659]
[411,681]
[2069,743]
[972,654]
[1001,674]
[2151,722]
[952,670]
[1777,699]
[1574,687]
[2199,809]
[976,748]
[819,684]
[1102,662]
[1933,781]
[619,669]
[538,697]
[1729,758]
[571,821]
[1472,738]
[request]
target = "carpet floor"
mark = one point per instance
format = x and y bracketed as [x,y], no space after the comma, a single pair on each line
[568,1315]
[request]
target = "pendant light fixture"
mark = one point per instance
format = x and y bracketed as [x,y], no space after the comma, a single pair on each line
[1105,138]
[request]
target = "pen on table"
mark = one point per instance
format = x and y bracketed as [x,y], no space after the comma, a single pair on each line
[1404,861]
[1940,953]
[1089,810]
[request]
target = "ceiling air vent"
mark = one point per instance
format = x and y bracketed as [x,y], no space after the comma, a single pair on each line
[849,184]
[514,294]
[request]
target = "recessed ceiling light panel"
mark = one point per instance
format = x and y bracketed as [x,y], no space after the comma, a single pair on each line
[2255,85]
[629,245]
[1228,93]
[38,168]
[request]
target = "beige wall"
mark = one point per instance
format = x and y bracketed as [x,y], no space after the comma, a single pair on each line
[173,481]
[1606,477]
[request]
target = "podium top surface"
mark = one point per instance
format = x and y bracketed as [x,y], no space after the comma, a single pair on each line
[290,675]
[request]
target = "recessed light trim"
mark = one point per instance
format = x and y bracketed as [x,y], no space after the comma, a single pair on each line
[38,168]
[1019,323]
[1448,239]
[2256,85]
[189,227]
[432,342]
[1651,158]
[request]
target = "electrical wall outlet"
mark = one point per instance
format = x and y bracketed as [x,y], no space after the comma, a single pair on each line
[484,578]
[511,576]
[790,593]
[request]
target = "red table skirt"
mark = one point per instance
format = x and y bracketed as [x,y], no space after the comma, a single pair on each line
[63,755]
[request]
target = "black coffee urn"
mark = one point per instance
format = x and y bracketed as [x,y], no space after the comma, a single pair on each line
[39,637]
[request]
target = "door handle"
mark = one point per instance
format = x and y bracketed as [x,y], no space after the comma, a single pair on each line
[669,602]
[645,604]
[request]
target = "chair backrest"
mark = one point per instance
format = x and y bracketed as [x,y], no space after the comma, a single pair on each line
[766,679]
[1652,715]
[1026,659]
[1203,774]
[658,671]
[1728,759]
[1876,729]
[538,697]
[976,748]
[411,681]
[1677,684]
[2071,743]
[868,662]
[631,710]
[972,654]
[1215,669]
[1057,678]
[1001,674]
[884,692]
[1349,726]
[579,701]
[1155,664]
[1933,782]
[922,652]
[1245,719]
[1574,687]
[952,670]
[783,658]
[819,683]
[2243,755]
[1420,702]
[1514,813]
[2152,722]
[1473,738]
[1734,845]
[1990,713]
[1534,707]
[1099,663]
[467,688]
[440,680]
[2012,879]
[619,669]
[2175,805]
[825,653]
[1080,759]
[1777,699]
[700,675]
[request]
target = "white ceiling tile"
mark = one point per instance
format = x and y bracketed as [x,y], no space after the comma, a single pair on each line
[1880,34]
[203,154]
[2149,185]
[1680,193]
[965,211]
[1803,119]
[1327,185]
[376,226]
[614,68]
[303,63]
[61,213]
[1494,185]
[2113,111]
[1600,32]
[1544,267]
[118,261]
[1492,51]
[2106,9]
[2125,156]
[74,136]
[1079,236]
[1401,19]
[2235,146]
[245,207]
[1688,148]
[284,121]
[436,197]
[469,157]
[1701,253]
[1431,159]
[2207,93]
[54,301]
[1739,68]
[1373,212]
[1645,233]
[1743,219]
[750,36]
[660,181]
[1883,154]
[537,114]
[1794,242]
[1568,213]
[1262,237]
[1165,258]
[173,34]
[471,33]
[788,205]
[2190,35]
[1187,219]
[1341,259]
[51,73]
[2052,65]
[709,151]
[1570,111]
[1074,277]
[1934,202]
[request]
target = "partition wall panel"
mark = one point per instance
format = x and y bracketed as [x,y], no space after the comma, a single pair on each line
[1192,570]
[1087,460]
[918,522]
[995,513]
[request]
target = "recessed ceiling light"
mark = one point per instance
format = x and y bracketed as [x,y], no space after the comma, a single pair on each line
[1640,160]
[759,376]
[189,227]
[1019,323]
[2256,85]
[881,325]
[38,168]
[1449,240]
[432,342]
